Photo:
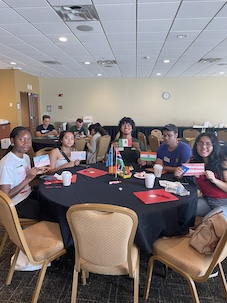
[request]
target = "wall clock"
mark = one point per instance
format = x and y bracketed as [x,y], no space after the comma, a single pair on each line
[166,95]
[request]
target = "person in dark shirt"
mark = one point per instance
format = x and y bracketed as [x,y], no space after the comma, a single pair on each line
[46,128]
[79,129]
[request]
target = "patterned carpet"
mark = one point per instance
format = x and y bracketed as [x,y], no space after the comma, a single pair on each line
[100,289]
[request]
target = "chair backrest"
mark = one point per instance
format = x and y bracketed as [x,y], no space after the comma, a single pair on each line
[190,133]
[153,142]
[142,138]
[222,135]
[43,151]
[80,144]
[157,133]
[117,136]
[102,147]
[10,220]
[103,234]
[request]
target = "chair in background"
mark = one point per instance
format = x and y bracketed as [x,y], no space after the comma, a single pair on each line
[117,136]
[176,253]
[190,133]
[104,242]
[80,144]
[142,138]
[43,151]
[154,143]
[102,148]
[157,133]
[222,135]
[40,242]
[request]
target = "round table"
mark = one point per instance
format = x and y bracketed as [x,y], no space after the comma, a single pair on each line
[155,220]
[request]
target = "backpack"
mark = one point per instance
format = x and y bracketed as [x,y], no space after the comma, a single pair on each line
[207,235]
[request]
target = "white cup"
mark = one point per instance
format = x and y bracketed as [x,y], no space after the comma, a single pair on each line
[149,180]
[66,178]
[158,170]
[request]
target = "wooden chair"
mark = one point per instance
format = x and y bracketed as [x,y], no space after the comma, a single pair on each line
[190,133]
[154,143]
[117,136]
[142,138]
[43,151]
[176,253]
[80,144]
[40,242]
[222,135]
[102,148]
[157,133]
[104,242]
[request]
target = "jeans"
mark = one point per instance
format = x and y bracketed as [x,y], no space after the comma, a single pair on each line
[208,206]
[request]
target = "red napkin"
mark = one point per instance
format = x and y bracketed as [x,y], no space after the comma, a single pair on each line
[92,172]
[155,196]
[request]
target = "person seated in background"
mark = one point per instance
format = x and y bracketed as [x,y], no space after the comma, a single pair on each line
[79,129]
[96,132]
[46,128]
[60,156]
[171,153]
[102,130]
[213,184]
[16,174]
[130,155]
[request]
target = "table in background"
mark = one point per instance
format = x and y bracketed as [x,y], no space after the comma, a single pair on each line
[155,220]
[41,142]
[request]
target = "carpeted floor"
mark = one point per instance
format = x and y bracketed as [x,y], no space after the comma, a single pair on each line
[101,289]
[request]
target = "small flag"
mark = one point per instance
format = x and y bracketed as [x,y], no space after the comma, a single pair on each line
[125,142]
[109,161]
[120,162]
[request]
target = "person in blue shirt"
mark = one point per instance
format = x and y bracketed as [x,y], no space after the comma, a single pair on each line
[172,152]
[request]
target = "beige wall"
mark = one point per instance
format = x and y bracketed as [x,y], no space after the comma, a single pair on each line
[108,100]
[12,82]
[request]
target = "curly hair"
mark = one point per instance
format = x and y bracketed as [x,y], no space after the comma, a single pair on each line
[126,120]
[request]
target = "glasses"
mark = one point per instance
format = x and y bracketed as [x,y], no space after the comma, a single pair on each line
[126,125]
[207,144]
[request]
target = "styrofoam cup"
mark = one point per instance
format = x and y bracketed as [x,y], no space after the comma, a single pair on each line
[66,178]
[149,180]
[158,170]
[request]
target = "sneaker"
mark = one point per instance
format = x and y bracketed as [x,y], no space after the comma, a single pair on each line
[214,273]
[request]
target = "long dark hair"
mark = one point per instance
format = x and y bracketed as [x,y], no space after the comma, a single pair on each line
[61,136]
[215,158]
[15,132]
[98,128]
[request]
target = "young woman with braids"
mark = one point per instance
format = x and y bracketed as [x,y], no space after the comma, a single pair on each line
[16,174]
[60,156]
[213,184]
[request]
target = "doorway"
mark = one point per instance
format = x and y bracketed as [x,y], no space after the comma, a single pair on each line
[29,111]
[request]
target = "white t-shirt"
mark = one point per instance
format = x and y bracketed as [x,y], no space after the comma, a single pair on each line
[13,171]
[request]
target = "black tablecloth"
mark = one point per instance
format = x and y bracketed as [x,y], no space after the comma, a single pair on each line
[155,220]
[41,142]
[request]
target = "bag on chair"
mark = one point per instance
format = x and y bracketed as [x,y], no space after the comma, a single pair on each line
[207,235]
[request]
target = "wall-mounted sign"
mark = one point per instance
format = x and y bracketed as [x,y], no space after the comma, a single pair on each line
[49,108]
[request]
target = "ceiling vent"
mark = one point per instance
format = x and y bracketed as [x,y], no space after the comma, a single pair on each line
[209,60]
[50,62]
[77,13]
[107,63]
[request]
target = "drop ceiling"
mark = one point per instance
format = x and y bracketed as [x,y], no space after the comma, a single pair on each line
[133,37]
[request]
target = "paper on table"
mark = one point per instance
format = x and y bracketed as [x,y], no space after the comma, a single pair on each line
[92,172]
[73,180]
[155,196]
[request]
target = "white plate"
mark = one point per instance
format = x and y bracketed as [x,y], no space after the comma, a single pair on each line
[139,176]
[51,136]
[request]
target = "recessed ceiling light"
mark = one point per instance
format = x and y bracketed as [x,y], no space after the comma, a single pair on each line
[13,63]
[166,61]
[147,57]
[87,62]
[99,75]
[62,39]
[158,74]
[221,73]
[181,36]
